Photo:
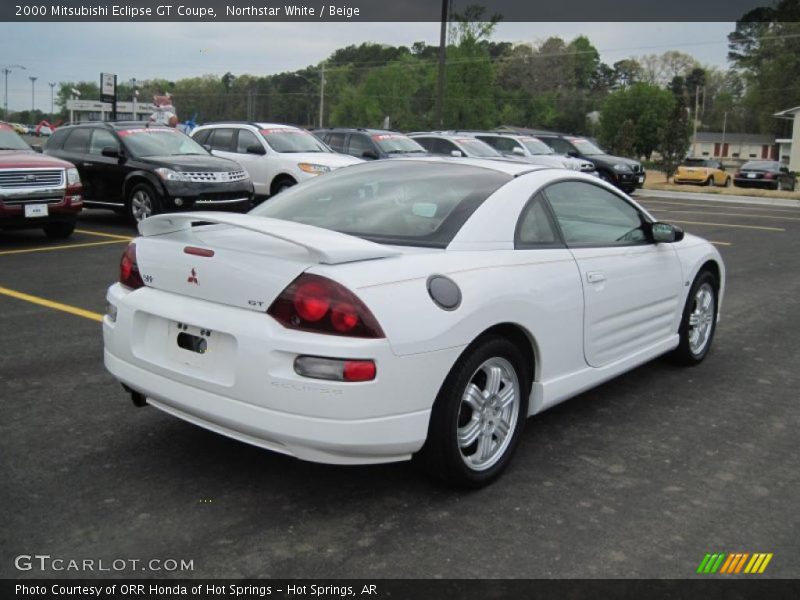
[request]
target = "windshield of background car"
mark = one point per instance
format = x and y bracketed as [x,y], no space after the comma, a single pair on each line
[585,146]
[760,165]
[9,140]
[159,141]
[412,203]
[694,162]
[535,146]
[478,148]
[397,144]
[292,141]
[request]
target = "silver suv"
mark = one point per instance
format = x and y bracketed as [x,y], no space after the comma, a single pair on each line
[447,143]
[531,149]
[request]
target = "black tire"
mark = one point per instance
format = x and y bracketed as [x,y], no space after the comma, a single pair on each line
[282,184]
[728,182]
[685,354]
[441,456]
[59,230]
[710,182]
[142,193]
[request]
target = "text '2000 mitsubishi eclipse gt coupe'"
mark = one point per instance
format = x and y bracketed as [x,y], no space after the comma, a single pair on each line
[408,307]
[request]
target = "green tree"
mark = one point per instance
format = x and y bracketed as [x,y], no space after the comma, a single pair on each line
[674,136]
[646,106]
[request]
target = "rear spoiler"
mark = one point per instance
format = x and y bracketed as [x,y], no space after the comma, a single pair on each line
[324,245]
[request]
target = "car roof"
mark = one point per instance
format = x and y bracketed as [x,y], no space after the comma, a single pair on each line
[360,129]
[116,125]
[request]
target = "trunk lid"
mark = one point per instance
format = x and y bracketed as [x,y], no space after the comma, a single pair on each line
[254,258]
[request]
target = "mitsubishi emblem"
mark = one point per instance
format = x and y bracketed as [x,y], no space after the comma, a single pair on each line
[193,278]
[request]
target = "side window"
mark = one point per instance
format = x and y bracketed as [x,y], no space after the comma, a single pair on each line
[78,141]
[55,141]
[535,228]
[246,139]
[222,140]
[592,216]
[507,145]
[493,141]
[102,139]
[358,144]
[558,145]
[426,143]
[445,147]
[201,137]
[336,141]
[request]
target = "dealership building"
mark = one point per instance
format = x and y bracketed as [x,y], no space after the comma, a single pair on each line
[81,111]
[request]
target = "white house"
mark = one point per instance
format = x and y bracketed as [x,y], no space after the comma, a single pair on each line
[736,147]
[790,147]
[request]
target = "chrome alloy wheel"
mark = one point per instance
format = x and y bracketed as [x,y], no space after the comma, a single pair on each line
[488,413]
[141,205]
[701,319]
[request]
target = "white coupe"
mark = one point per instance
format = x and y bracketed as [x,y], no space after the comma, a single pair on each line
[409,307]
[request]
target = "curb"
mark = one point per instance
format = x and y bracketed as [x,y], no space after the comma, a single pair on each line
[725,199]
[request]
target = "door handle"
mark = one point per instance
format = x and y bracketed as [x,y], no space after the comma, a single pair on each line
[595,276]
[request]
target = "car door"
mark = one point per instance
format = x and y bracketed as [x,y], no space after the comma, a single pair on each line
[632,286]
[76,151]
[107,173]
[257,165]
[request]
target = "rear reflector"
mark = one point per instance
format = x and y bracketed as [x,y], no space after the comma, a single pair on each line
[335,369]
[198,251]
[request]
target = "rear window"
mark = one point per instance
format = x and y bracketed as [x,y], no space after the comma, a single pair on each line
[394,202]
[695,162]
[761,165]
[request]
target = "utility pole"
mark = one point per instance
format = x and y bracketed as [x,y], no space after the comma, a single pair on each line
[322,96]
[438,117]
[6,71]
[52,109]
[33,93]
[724,127]
[696,107]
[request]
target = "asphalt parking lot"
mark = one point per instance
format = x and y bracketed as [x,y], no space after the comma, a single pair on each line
[640,477]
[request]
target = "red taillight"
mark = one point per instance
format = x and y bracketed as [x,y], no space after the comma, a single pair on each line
[318,304]
[737,174]
[359,370]
[128,269]
[769,175]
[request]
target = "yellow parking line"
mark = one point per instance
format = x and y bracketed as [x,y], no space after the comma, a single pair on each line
[103,234]
[62,247]
[73,310]
[703,212]
[759,227]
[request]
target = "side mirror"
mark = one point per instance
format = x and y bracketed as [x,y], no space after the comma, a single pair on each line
[664,233]
[111,152]
[37,149]
[207,147]
[784,169]
[456,153]
[369,154]
[573,154]
[256,149]
[518,151]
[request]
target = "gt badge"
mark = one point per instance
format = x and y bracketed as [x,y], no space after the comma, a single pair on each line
[193,278]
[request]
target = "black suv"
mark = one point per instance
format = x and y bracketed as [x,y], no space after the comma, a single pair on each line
[369,144]
[624,173]
[145,169]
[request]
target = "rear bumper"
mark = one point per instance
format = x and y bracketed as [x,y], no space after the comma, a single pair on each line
[247,388]
[332,441]
[756,183]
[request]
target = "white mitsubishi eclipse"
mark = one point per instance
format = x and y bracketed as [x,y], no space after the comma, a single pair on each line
[407,307]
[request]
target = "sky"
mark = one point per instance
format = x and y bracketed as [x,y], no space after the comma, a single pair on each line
[175,50]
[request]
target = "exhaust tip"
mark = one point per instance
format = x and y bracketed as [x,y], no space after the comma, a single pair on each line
[137,398]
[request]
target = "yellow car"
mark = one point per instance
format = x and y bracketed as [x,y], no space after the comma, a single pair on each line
[702,171]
